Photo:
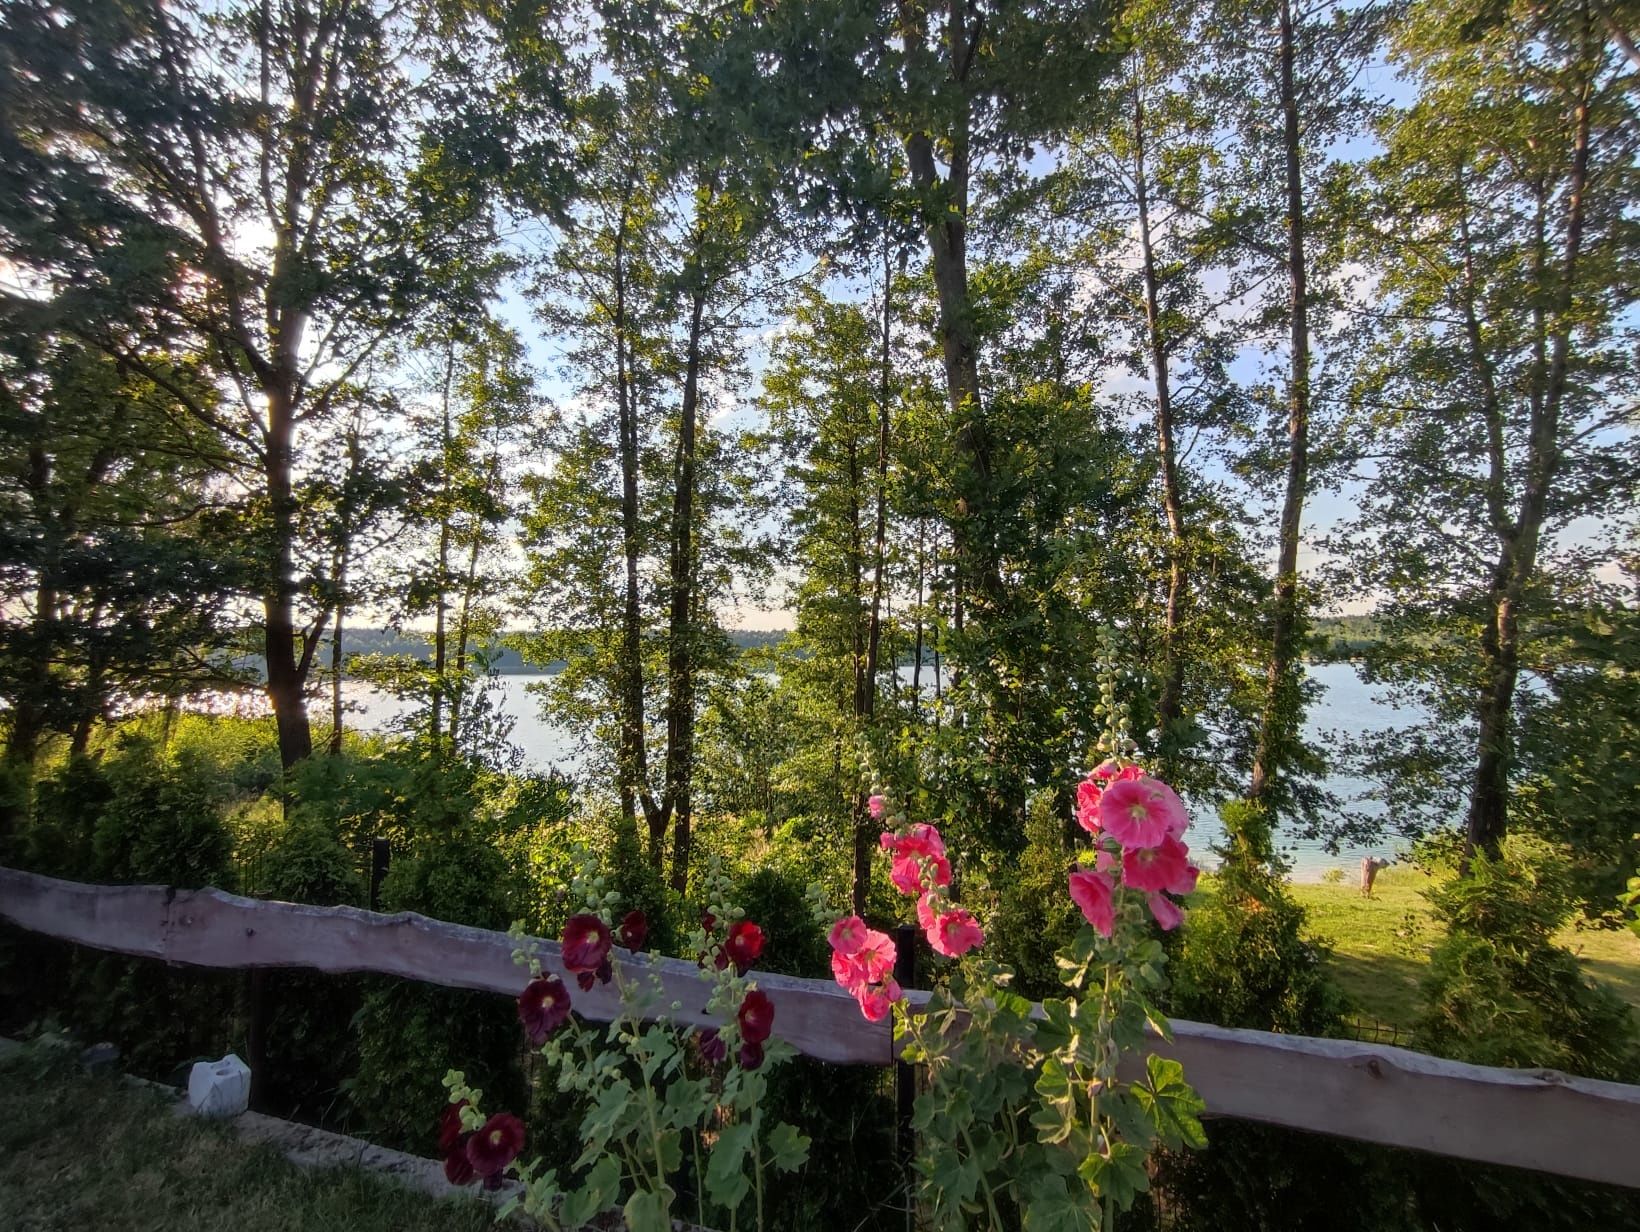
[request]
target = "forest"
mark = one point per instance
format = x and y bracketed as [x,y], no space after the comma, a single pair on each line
[1053,377]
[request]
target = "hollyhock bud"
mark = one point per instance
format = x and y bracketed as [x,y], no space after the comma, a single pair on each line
[458,1169]
[1166,912]
[450,1132]
[712,1047]
[751,1054]
[876,806]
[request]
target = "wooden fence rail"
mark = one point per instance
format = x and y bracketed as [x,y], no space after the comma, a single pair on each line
[1541,1119]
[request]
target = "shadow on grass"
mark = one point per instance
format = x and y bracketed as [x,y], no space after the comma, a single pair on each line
[1382,986]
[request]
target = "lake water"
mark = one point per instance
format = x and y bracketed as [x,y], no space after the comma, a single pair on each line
[1346,705]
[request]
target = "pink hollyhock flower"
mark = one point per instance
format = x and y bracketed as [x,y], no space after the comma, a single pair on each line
[712,1047]
[495,1144]
[848,935]
[1141,812]
[1156,868]
[1090,789]
[751,1055]
[925,912]
[543,1007]
[872,963]
[921,840]
[634,930]
[910,872]
[1092,892]
[847,973]
[878,1000]
[876,806]
[1166,911]
[955,933]
[756,1016]
[742,947]
[586,943]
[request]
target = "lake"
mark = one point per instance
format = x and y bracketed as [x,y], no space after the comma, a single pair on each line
[1346,705]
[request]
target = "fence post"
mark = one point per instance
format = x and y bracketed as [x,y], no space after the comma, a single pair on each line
[256,1036]
[381,855]
[905,1076]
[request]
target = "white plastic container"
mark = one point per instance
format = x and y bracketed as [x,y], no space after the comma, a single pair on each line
[220,1088]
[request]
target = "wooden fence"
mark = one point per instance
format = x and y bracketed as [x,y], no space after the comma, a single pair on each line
[1541,1119]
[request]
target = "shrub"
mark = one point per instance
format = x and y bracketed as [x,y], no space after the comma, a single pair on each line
[411,1033]
[1500,992]
[310,1044]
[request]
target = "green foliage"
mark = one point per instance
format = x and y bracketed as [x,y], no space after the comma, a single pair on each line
[1500,992]
[1034,919]
[410,1033]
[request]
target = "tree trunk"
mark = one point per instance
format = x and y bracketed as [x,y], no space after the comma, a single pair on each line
[1279,726]
[442,581]
[1168,705]
[286,674]
[634,755]
[680,666]
[1487,820]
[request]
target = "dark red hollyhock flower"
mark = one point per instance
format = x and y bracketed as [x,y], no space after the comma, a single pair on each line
[751,1055]
[495,1144]
[457,1169]
[543,1007]
[756,1017]
[450,1133]
[634,929]
[708,921]
[586,943]
[712,1047]
[743,946]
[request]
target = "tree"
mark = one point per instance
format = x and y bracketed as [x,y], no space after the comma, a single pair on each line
[278,205]
[117,570]
[829,392]
[1500,389]
[653,281]
[1283,74]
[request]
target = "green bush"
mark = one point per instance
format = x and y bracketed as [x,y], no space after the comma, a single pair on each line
[411,1033]
[1033,917]
[1500,992]
[310,1045]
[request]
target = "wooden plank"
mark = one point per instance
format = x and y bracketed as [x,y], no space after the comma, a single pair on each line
[210,928]
[1539,1119]
[1543,1119]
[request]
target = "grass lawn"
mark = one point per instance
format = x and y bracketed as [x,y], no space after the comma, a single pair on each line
[1382,944]
[80,1152]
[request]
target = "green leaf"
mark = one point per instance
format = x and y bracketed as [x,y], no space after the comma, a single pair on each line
[649,1212]
[1119,1176]
[726,1181]
[788,1148]
[1172,1103]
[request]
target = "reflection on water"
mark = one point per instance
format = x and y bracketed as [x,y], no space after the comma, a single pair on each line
[1346,705]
